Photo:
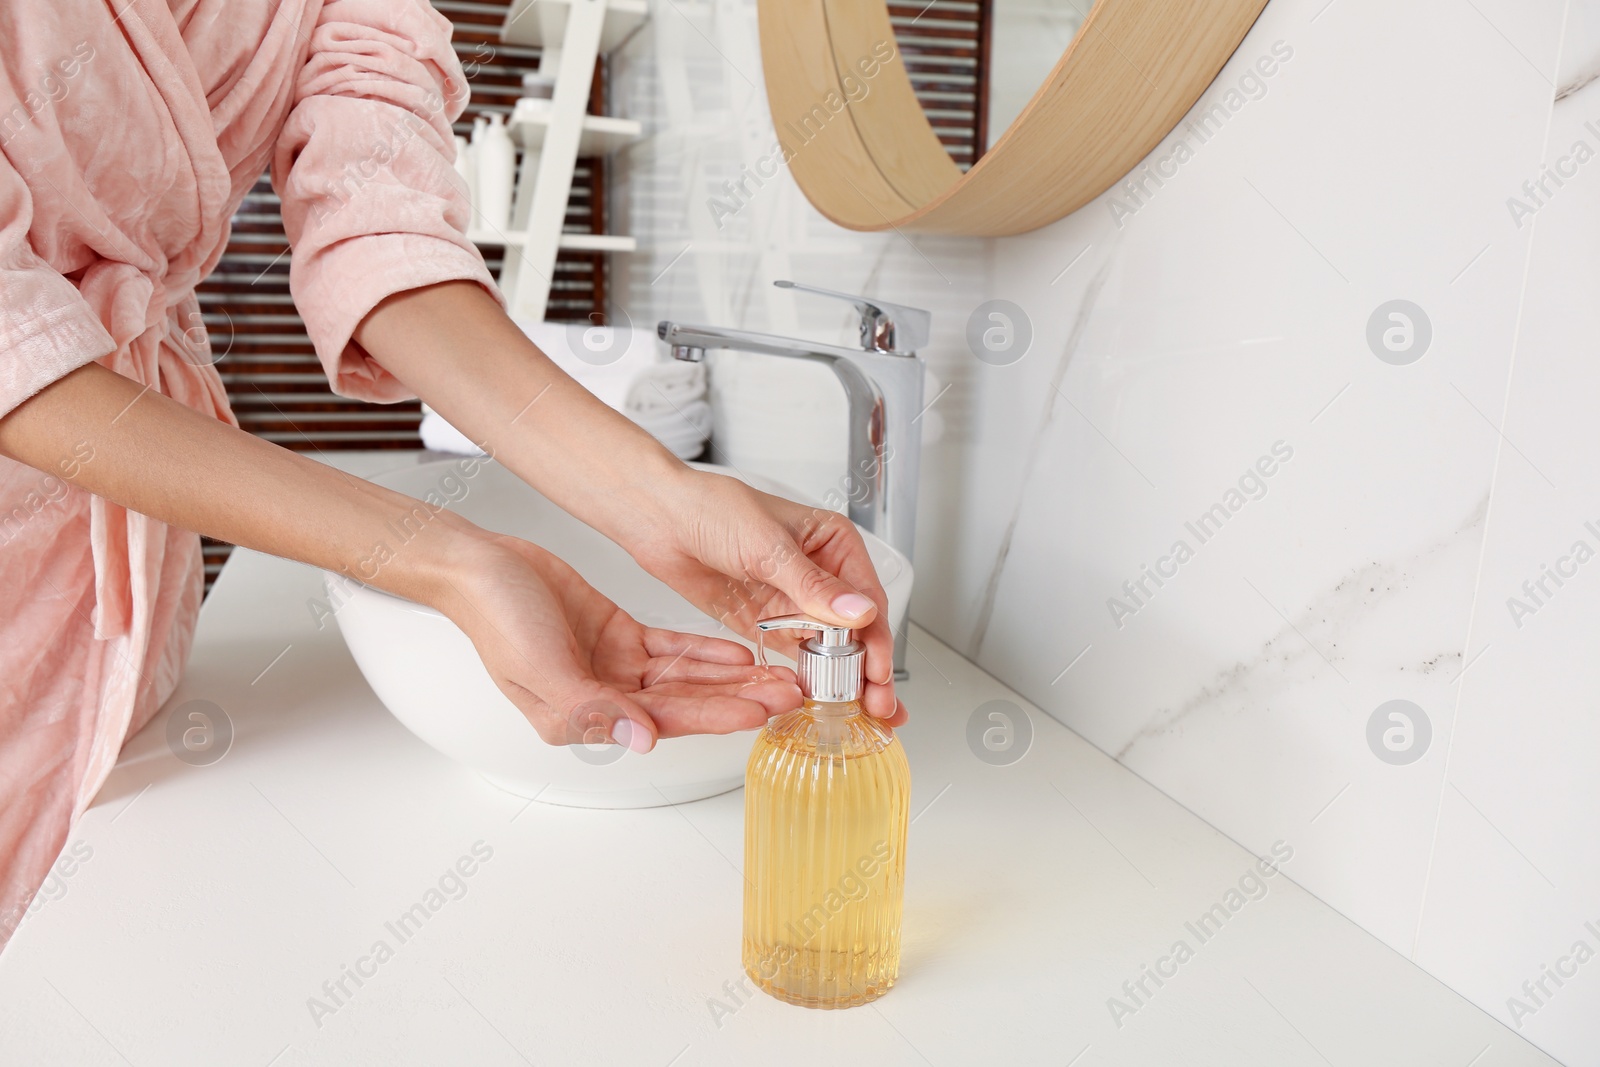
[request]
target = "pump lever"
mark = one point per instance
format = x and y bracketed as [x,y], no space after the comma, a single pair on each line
[830,640]
[832,636]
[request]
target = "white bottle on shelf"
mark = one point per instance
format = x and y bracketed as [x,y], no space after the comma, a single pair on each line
[495,161]
[480,127]
[463,165]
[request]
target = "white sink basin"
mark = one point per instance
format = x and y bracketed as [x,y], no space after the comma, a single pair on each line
[427,674]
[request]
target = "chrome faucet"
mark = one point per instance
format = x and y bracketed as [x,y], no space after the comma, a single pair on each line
[883,386]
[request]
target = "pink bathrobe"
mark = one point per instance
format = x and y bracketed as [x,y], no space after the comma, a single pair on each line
[129,132]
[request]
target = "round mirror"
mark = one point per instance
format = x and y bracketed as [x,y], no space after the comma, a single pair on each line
[864,152]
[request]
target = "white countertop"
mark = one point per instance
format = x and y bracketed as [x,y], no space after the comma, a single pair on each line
[214,902]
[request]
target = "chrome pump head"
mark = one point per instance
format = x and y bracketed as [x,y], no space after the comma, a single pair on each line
[829,664]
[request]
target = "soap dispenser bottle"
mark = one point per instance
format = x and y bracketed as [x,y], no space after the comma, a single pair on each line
[827,800]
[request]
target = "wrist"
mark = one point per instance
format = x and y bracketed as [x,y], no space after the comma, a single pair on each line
[648,504]
[455,573]
[424,555]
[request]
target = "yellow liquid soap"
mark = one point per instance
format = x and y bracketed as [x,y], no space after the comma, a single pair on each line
[827,803]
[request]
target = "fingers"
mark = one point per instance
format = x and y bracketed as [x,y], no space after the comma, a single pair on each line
[591,712]
[821,594]
[610,719]
[855,567]
[684,669]
[690,697]
[879,700]
[835,572]
[621,719]
[776,694]
[831,599]
[682,708]
[835,598]
[682,715]
[879,666]
[581,711]
[671,643]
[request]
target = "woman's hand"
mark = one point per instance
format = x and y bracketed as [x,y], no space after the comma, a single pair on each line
[740,555]
[737,553]
[583,671]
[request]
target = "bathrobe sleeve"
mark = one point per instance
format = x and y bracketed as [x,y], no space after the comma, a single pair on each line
[46,328]
[371,201]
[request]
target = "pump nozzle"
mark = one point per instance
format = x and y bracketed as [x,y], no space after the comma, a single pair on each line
[829,663]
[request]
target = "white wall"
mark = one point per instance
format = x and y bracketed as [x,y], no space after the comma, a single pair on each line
[1178,337]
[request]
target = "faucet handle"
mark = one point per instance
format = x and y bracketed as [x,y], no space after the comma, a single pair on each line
[885,327]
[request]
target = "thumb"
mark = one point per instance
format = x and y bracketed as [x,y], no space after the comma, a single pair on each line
[822,595]
[608,716]
[589,712]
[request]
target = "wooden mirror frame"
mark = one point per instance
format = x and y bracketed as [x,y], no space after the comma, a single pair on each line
[854,136]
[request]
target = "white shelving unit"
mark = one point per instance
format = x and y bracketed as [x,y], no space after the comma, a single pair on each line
[601,134]
[554,135]
[576,242]
[536,23]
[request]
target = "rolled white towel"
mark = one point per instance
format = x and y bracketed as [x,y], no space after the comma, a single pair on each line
[684,432]
[694,414]
[667,398]
[665,387]
[439,436]
[609,359]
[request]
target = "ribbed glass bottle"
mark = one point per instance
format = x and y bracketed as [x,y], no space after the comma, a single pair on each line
[827,802]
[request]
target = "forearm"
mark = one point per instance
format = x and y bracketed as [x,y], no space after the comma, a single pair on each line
[151,454]
[454,347]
